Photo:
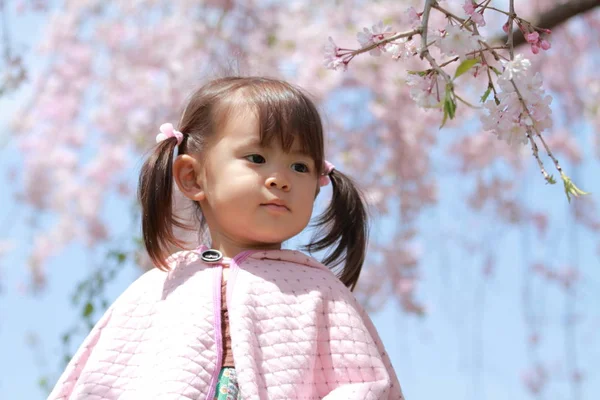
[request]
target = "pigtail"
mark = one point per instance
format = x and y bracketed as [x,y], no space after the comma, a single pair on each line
[155,193]
[345,225]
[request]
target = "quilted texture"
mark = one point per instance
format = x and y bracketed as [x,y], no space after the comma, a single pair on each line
[297,333]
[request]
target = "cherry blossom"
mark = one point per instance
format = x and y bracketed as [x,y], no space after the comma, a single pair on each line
[509,119]
[414,19]
[334,57]
[426,91]
[456,41]
[369,37]
[477,17]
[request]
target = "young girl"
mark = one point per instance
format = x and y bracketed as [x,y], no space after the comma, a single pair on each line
[240,318]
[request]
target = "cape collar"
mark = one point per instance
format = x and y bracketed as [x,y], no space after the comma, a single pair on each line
[278,255]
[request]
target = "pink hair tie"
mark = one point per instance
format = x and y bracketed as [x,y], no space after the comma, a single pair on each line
[324,178]
[167,131]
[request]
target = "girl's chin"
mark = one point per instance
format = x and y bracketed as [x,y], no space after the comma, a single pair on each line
[270,242]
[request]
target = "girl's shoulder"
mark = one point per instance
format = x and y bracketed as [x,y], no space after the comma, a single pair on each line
[150,286]
[286,256]
[294,267]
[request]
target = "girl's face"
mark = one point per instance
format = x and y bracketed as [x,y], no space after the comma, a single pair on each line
[254,195]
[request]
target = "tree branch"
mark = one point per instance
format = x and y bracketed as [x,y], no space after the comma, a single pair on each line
[556,16]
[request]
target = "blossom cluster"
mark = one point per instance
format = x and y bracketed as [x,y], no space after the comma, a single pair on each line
[427,91]
[476,16]
[455,41]
[523,105]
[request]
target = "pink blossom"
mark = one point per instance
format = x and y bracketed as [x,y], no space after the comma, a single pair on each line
[469,7]
[333,57]
[377,33]
[518,66]
[532,37]
[97,231]
[476,17]
[544,44]
[410,49]
[456,41]
[535,379]
[21,6]
[426,91]
[413,17]
[540,221]
[406,286]
[567,276]
[509,119]
[565,143]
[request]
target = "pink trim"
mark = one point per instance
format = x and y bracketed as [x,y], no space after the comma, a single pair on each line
[240,258]
[233,271]
[218,333]
[328,167]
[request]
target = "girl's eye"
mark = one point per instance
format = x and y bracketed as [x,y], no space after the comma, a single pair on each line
[256,159]
[299,167]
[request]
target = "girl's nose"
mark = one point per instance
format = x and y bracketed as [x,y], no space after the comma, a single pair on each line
[279,182]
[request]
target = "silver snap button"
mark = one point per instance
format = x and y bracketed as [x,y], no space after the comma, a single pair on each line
[211,256]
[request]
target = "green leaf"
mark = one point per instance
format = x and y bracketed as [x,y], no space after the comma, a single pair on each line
[88,309]
[496,71]
[66,337]
[449,105]
[486,94]
[452,105]
[571,188]
[43,383]
[445,117]
[420,73]
[119,256]
[465,66]
[449,102]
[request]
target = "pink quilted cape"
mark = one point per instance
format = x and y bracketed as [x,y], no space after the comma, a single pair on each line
[297,333]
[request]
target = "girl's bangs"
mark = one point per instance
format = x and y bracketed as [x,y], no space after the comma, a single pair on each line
[287,116]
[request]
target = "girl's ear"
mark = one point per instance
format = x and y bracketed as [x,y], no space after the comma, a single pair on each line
[188,174]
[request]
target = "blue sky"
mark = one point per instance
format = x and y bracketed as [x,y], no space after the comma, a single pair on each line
[471,344]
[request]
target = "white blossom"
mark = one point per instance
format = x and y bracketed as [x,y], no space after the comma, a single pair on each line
[457,42]
[509,120]
[426,91]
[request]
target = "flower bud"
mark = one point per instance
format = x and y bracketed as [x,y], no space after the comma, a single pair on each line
[544,44]
[532,37]
[535,49]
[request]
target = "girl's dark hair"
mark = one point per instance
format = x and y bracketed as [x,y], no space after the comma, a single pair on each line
[284,113]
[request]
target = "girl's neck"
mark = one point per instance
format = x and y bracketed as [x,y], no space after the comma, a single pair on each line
[230,248]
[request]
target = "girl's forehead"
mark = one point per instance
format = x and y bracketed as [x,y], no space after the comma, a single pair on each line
[290,125]
[243,127]
[240,125]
